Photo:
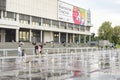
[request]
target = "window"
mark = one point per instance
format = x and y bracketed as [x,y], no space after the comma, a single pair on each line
[9,15]
[46,22]
[24,35]
[55,24]
[77,27]
[24,18]
[88,28]
[36,21]
[3,5]
[82,28]
[70,26]
[63,25]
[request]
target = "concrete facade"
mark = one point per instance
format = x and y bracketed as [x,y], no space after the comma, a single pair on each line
[30,20]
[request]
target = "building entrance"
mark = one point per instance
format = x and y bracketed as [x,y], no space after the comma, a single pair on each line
[10,35]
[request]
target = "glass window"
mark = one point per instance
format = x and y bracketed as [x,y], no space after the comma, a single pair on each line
[24,35]
[3,5]
[24,18]
[63,25]
[77,27]
[10,15]
[46,22]
[56,37]
[35,35]
[70,26]
[82,28]
[55,23]
[88,28]
[36,21]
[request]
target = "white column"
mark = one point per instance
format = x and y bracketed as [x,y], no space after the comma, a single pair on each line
[79,38]
[17,35]
[41,21]
[30,35]
[3,35]
[59,37]
[66,37]
[1,14]
[41,37]
[17,17]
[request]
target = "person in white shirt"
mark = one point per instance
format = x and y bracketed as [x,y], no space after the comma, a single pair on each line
[19,51]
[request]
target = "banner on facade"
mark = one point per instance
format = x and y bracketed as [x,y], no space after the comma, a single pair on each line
[72,14]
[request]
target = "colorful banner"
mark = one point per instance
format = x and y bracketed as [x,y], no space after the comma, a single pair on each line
[72,14]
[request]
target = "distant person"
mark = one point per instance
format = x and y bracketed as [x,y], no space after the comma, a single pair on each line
[36,48]
[19,51]
[21,43]
[23,55]
[40,49]
[23,52]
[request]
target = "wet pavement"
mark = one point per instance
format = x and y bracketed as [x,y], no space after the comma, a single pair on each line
[60,67]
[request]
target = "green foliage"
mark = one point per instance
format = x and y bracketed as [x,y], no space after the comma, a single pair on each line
[116,35]
[117,46]
[96,38]
[105,31]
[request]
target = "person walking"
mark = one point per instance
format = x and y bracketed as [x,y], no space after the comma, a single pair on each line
[19,51]
[23,52]
[40,49]
[36,47]
[23,55]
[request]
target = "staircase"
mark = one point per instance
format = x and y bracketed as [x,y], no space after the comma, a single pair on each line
[14,45]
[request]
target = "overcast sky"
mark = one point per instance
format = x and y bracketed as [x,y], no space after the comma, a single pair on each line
[101,10]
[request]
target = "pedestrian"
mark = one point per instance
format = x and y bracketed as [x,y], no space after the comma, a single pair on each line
[19,51]
[23,52]
[36,47]
[40,49]
[23,55]
[21,43]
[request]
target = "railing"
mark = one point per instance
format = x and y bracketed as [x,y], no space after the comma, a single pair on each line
[30,51]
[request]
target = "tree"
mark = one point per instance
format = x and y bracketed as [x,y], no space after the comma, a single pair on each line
[105,31]
[116,35]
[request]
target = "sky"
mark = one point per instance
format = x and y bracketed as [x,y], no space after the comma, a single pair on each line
[101,11]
